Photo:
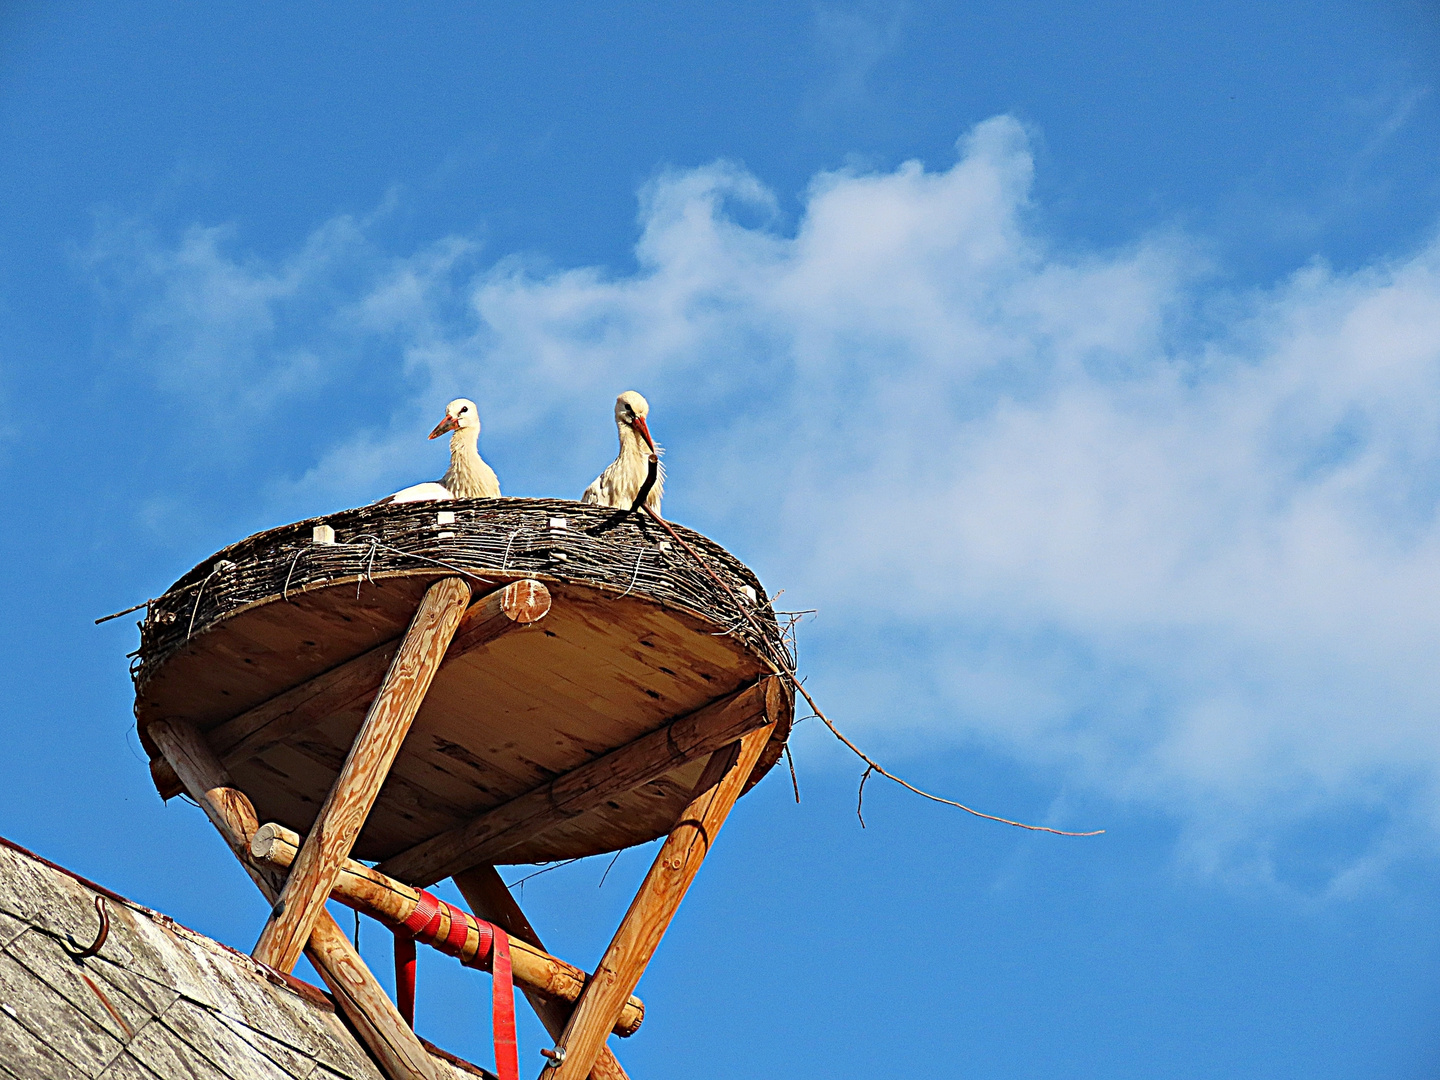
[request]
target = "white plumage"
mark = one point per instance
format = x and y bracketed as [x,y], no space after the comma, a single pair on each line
[623,478]
[468,476]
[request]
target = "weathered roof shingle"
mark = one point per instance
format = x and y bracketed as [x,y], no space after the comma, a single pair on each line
[159,1002]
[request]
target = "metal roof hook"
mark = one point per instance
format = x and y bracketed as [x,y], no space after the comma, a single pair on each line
[94,949]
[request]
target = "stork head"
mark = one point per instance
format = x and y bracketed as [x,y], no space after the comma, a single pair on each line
[630,411]
[460,415]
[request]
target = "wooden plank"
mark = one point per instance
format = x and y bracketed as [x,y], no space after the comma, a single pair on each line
[142,946]
[358,994]
[129,993]
[655,905]
[294,1062]
[250,734]
[125,1067]
[490,835]
[490,899]
[343,814]
[56,1020]
[36,895]
[588,826]
[10,929]
[163,1052]
[82,986]
[248,997]
[367,890]
[510,707]
[26,1054]
[252,654]
[203,1032]
[352,685]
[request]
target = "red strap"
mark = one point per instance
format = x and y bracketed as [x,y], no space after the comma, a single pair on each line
[502,1005]
[455,939]
[427,908]
[405,976]
[424,922]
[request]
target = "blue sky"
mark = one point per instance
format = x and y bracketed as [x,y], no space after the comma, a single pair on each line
[1081,367]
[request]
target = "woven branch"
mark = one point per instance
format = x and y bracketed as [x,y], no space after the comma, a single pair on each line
[616,551]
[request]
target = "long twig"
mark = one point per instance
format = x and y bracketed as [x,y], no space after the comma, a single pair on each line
[545,870]
[608,867]
[794,782]
[871,764]
[127,611]
[860,795]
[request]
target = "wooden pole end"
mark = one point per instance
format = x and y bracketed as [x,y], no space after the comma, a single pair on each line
[526,601]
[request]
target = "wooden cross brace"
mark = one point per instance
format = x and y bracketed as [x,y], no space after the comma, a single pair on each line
[354,791]
[732,730]
[639,934]
[193,764]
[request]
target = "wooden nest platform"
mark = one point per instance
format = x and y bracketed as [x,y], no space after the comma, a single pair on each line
[637,636]
[442,687]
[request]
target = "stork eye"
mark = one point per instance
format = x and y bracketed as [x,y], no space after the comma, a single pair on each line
[464,409]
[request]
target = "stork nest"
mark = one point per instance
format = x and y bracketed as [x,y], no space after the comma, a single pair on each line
[620,552]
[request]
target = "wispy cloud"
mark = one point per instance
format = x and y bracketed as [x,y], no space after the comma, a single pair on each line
[852,41]
[1178,541]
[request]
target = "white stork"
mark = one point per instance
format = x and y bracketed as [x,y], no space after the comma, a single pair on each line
[468,476]
[623,478]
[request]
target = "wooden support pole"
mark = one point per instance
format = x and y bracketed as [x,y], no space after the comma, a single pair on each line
[485,838]
[348,804]
[395,1047]
[368,891]
[654,906]
[490,899]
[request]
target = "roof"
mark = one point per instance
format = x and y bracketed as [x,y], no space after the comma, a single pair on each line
[159,1001]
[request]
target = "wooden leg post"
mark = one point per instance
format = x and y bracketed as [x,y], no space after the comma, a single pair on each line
[328,845]
[654,906]
[380,1026]
[393,902]
[490,900]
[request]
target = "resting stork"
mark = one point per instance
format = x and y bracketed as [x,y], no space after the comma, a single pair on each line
[623,478]
[468,476]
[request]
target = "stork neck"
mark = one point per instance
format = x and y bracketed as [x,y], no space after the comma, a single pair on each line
[631,444]
[463,444]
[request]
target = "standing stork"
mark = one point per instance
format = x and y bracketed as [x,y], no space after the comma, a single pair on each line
[468,476]
[623,478]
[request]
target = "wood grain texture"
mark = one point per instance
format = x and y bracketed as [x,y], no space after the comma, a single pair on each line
[492,834]
[374,1016]
[596,673]
[368,891]
[655,905]
[490,899]
[346,807]
[520,603]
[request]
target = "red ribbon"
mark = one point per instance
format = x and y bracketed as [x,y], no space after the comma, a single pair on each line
[502,1007]
[405,977]
[493,945]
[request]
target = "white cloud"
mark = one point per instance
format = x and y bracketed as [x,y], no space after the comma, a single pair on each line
[1178,541]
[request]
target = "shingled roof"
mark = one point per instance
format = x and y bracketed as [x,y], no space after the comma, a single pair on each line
[159,1001]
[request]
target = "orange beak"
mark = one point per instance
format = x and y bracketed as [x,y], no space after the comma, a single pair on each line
[448,424]
[639,424]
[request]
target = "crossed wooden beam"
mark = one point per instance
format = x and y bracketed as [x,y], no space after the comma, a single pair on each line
[577,1009]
